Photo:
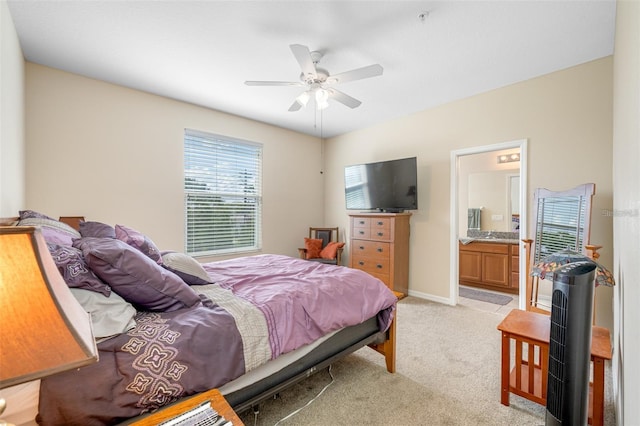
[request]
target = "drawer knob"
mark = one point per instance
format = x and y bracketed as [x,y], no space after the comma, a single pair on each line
[380,234]
[380,223]
[361,222]
[361,263]
[361,247]
[379,249]
[361,232]
[379,266]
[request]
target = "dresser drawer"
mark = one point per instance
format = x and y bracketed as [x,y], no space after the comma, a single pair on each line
[383,223]
[361,222]
[381,234]
[361,233]
[375,249]
[371,265]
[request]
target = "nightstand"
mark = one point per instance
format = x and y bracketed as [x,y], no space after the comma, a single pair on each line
[170,411]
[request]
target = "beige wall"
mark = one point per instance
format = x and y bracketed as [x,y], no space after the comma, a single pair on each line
[626,213]
[566,117]
[114,155]
[12,187]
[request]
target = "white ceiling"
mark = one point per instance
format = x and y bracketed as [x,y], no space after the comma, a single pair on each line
[202,51]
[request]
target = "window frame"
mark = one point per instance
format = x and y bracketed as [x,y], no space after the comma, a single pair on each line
[225,190]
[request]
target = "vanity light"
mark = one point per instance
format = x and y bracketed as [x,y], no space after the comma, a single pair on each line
[510,158]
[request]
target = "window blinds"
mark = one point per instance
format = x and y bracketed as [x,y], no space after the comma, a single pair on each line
[559,225]
[223,194]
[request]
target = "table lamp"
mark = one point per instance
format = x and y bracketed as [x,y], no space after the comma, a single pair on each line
[43,329]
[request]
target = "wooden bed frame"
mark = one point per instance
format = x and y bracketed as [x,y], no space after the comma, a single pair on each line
[384,343]
[8,221]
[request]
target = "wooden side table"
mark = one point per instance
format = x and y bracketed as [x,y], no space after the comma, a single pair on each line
[170,411]
[528,377]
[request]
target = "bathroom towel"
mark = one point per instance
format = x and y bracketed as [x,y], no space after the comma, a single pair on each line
[473,221]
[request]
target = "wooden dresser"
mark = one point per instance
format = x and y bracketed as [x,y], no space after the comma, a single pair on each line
[380,246]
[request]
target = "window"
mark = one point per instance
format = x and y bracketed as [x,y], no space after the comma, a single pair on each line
[223,194]
[562,220]
[356,183]
[560,225]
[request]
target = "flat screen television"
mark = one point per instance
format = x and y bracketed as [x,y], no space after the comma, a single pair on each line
[386,186]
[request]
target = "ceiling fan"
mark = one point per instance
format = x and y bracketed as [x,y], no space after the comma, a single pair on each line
[318,82]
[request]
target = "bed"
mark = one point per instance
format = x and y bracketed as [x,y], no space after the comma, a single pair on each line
[249,326]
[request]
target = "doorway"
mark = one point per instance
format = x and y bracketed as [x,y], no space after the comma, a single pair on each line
[514,217]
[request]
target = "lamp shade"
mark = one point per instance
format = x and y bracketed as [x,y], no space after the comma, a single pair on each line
[44,330]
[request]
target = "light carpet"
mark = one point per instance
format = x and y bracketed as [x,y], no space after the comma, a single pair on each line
[448,373]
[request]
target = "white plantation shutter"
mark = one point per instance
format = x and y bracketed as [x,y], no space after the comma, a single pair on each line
[223,194]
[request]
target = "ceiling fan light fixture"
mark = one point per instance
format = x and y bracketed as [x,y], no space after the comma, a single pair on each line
[322,97]
[303,98]
[315,79]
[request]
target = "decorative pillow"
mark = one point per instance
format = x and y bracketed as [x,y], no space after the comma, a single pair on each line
[97,229]
[139,241]
[313,246]
[74,269]
[134,276]
[53,231]
[331,250]
[186,267]
[28,214]
[110,315]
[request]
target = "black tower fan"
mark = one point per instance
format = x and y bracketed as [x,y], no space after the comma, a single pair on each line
[570,344]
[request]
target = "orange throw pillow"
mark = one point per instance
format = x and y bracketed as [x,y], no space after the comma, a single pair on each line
[331,250]
[313,246]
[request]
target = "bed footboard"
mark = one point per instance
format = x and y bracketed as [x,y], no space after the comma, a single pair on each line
[388,347]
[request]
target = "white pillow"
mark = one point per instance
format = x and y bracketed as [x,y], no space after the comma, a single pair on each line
[186,267]
[110,316]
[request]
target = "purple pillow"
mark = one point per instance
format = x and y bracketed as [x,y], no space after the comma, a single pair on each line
[53,231]
[134,276]
[28,214]
[139,241]
[96,229]
[74,269]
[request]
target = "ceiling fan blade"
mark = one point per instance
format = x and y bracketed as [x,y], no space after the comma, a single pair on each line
[303,56]
[357,74]
[273,83]
[343,98]
[295,106]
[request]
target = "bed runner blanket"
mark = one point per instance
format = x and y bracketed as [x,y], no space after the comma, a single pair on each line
[259,307]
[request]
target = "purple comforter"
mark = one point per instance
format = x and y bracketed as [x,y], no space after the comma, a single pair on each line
[169,355]
[303,300]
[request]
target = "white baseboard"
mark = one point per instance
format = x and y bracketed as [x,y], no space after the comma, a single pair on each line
[431,297]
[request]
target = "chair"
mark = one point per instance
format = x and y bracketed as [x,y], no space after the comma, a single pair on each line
[561,220]
[318,250]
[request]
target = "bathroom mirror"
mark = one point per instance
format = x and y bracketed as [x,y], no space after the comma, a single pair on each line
[489,193]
